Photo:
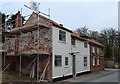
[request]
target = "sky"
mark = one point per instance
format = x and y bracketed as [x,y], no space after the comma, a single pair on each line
[94,15]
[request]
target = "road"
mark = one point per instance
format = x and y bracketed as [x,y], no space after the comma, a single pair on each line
[108,75]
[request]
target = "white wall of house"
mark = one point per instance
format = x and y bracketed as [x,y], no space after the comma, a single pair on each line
[83,52]
[63,49]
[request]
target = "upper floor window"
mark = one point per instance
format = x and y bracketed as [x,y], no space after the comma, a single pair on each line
[85,61]
[66,61]
[73,41]
[85,44]
[62,35]
[97,50]
[93,49]
[58,60]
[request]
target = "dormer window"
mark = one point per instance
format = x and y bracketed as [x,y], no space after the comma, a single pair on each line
[62,35]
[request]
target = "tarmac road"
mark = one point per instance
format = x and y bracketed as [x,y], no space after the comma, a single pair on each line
[108,75]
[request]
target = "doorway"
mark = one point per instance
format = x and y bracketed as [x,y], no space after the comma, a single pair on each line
[73,65]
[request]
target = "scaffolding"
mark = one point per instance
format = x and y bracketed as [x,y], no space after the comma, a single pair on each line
[32,38]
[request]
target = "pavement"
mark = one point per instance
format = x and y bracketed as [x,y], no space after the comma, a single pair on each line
[107,75]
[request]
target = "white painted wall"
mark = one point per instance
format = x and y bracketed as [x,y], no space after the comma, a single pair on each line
[83,52]
[60,48]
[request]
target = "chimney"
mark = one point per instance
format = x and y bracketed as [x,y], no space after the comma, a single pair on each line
[18,20]
[61,24]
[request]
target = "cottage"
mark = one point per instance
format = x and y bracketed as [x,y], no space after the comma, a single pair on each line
[96,56]
[47,49]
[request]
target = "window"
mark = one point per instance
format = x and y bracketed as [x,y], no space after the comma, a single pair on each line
[66,61]
[62,35]
[97,50]
[73,41]
[58,60]
[97,61]
[93,61]
[85,44]
[93,49]
[85,61]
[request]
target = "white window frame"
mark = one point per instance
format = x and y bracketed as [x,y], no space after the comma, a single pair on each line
[93,49]
[85,44]
[85,61]
[62,34]
[93,61]
[98,50]
[66,61]
[58,58]
[73,41]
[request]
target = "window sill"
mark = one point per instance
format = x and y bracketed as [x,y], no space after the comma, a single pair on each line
[85,66]
[63,42]
[67,66]
[57,66]
[74,46]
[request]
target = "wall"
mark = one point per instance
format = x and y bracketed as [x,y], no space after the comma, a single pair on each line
[26,60]
[23,45]
[60,48]
[83,52]
[101,59]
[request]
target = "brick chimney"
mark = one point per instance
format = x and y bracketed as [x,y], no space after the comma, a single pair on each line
[18,20]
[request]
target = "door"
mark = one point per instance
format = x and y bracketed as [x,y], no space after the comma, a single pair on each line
[73,66]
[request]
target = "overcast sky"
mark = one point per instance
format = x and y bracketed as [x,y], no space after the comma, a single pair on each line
[95,15]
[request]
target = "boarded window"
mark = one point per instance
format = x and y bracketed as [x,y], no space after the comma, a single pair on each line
[58,60]
[62,35]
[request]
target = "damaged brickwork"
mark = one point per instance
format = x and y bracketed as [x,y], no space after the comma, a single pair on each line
[37,40]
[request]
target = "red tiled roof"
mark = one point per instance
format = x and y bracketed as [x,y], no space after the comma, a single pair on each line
[77,36]
[54,23]
[94,42]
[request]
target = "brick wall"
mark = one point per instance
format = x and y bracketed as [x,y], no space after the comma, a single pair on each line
[100,56]
[26,60]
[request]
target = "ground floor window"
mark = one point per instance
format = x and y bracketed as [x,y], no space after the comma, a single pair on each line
[93,61]
[66,61]
[85,61]
[98,61]
[58,60]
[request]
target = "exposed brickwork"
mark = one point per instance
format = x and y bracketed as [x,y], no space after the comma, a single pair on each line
[100,56]
[26,60]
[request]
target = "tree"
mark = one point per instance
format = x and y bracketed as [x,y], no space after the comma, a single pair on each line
[12,20]
[109,37]
[82,31]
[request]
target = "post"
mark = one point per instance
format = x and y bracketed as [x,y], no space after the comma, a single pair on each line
[38,52]
[4,61]
[113,57]
[20,67]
